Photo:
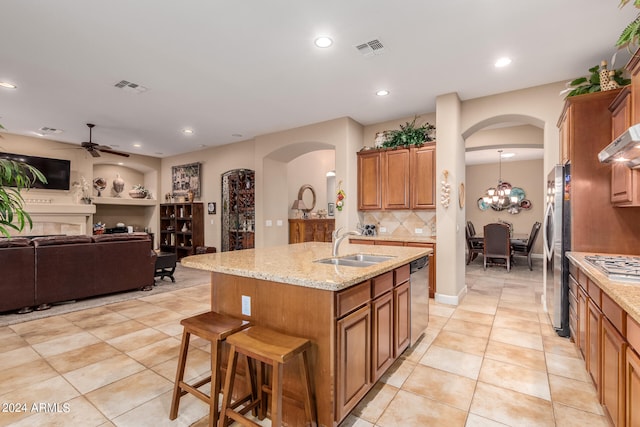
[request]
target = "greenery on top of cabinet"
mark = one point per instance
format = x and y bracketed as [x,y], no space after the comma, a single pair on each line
[410,134]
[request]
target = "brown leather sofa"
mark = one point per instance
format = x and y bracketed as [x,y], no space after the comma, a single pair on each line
[63,268]
[17,281]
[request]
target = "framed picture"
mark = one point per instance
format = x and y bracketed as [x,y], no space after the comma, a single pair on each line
[185,178]
[331,208]
[211,208]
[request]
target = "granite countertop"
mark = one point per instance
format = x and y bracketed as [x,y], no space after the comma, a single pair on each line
[389,238]
[293,264]
[625,294]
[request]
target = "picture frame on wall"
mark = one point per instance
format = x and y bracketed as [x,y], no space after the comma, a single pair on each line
[331,207]
[185,178]
[211,208]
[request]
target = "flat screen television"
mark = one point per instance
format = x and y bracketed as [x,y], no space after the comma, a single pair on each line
[57,171]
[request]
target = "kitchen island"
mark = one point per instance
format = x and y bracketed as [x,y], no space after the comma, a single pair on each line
[358,318]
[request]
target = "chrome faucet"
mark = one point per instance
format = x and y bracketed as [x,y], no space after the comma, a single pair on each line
[337,239]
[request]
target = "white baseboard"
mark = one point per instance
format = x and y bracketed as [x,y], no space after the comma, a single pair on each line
[451,299]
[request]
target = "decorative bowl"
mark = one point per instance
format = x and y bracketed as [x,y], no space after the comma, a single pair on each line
[137,194]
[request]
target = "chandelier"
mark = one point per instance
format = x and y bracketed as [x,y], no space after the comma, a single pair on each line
[503,196]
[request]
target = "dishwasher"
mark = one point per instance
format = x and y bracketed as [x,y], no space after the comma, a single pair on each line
[419,297]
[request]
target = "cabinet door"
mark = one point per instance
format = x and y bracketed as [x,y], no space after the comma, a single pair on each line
[353,359]
[582,322]
[632,386]
[594,345]
[565,136]
[423,166]
[402,317]
[395,179]
[370,180]
[382,325]
[612,383]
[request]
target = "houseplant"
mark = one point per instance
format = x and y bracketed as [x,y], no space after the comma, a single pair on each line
[138,192]
[14,177]
[631,34]
[410,134]
[591,83]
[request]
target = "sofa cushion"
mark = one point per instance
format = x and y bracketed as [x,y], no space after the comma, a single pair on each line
[60,240]
[117,237]
[13,242]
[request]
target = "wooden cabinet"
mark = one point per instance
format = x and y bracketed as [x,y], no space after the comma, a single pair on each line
[181,228]
[624,181]
[632,387]
[395,179]
[353,359]
[565,135]
[311,230]
[573,306]
[238,210]
[613,371]
[369,180]
[382,320]
[402,178]
[593,343]
[402,318]
[581,340]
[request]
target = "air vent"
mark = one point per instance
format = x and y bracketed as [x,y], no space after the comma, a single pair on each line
[373,47]
[130,87]
[44,130]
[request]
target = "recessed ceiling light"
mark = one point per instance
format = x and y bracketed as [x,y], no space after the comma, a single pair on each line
[236,135]
[137,145]
[8,85]
[382,92]
[323,41]
[187,131]
[507,155]
[503,62]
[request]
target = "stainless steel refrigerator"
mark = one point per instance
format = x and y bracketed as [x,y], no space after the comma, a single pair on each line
[557,241]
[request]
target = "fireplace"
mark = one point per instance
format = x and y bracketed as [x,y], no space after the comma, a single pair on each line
[53,218]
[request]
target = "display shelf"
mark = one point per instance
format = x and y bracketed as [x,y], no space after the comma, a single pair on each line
[123,201]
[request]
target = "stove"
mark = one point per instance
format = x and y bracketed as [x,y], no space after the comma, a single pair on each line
[617,267]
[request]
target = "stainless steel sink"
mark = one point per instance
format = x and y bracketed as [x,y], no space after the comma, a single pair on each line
[355,260]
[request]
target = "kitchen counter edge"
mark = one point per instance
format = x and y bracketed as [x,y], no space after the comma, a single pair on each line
[626,295]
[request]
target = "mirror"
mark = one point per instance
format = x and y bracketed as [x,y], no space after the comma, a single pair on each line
[309,200]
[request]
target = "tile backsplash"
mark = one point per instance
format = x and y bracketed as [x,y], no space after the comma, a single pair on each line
[401,223]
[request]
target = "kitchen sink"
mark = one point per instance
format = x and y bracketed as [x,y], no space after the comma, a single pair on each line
[355,260]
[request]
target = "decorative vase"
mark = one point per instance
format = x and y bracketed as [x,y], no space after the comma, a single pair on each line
[118,185]
[185,228]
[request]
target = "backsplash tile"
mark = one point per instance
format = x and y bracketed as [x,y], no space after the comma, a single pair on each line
[401,222]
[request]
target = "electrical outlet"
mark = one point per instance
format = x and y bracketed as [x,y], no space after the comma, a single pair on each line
[246,305]
[383,229]
[268,223]
[211,222]
[418,230]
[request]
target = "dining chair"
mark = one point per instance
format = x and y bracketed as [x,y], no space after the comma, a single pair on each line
[497,245]
[525,247]
[475,245]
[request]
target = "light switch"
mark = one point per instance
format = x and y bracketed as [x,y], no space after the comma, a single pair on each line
[246,305]
[279,223]
[418,230]
[211,222]
[268,223]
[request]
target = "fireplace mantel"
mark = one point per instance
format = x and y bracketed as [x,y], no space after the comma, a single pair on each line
[58,218]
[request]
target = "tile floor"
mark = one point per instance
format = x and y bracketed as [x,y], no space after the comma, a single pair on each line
[492,361]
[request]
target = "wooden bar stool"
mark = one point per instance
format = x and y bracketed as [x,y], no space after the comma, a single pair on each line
[275,349]
[216,328]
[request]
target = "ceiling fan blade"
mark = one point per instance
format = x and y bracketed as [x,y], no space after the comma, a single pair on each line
[93,152]
[117,153]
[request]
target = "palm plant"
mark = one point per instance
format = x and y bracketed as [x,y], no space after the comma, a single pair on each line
[15,176]
[631,34]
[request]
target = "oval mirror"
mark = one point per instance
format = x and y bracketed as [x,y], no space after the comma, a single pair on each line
[308,199]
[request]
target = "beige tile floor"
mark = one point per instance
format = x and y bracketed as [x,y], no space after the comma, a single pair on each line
[492,361]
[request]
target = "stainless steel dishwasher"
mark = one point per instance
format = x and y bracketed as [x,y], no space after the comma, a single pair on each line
[419,297]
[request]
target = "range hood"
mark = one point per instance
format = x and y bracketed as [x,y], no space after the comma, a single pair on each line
[625,148]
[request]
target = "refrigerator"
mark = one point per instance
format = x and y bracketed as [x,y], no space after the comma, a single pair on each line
[557,241]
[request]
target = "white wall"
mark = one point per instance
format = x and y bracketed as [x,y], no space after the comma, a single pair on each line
[310,168]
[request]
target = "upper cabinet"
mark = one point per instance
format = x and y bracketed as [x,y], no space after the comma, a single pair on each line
[624,185]
[400,178]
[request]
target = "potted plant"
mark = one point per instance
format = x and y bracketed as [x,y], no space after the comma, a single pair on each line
[14,177]
[591,83]
[410,134]
[138,192]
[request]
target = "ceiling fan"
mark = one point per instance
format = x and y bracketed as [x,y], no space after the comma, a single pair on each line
[95,149]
